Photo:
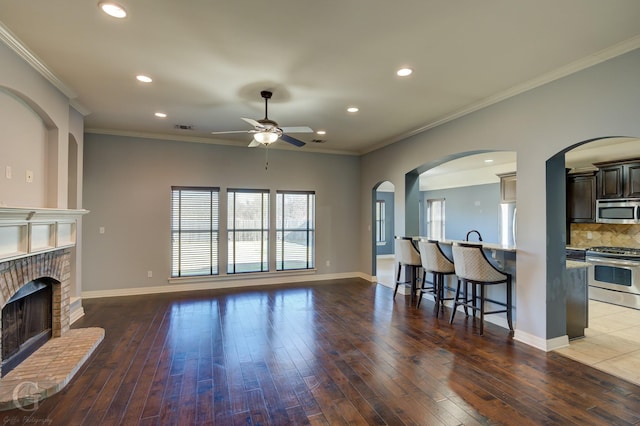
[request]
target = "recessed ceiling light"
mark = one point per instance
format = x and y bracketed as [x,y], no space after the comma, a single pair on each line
[160,115]
[404,72]
[112,9]
[488,161]
[144,78]
[353,109]
[321,132]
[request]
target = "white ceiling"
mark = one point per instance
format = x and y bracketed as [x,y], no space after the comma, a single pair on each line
[210,59]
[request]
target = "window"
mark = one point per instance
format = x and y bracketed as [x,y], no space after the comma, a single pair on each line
[248,230]
[194,231]
[435,219]
[295,230]
[380,221]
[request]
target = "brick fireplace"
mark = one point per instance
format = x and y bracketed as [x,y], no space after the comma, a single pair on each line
[37,252]
[53,265]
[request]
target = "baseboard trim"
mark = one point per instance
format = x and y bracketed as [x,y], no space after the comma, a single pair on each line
[220,284]
[76,309]
[541,343]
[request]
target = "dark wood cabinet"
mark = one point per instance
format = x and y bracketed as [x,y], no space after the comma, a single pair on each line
[632,180]
[619,179]
[581,197]
[610,182]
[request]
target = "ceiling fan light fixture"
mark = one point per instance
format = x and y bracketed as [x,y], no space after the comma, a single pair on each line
[265,137]
[112,9]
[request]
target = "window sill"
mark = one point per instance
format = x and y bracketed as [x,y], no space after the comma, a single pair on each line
[245,276]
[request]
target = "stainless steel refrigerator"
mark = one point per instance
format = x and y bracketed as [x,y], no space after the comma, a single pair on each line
[508,232]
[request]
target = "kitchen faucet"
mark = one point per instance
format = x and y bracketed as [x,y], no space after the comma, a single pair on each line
[472,231]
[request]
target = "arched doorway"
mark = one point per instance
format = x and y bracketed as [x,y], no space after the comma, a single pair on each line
[611,342]
[383,232]
[464,194]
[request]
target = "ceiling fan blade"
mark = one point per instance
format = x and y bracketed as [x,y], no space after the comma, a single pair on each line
[253,122]
[292,140]
[254,143]
[298,129]
[231,131]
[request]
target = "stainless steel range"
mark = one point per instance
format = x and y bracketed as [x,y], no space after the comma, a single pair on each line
[616,275]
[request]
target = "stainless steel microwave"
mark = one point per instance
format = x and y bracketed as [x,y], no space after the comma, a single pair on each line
[618,211]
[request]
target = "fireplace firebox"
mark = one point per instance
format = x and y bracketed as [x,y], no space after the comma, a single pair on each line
[26,322]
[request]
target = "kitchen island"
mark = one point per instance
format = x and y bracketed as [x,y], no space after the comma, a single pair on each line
[575,281]
[502,257]
[577,296]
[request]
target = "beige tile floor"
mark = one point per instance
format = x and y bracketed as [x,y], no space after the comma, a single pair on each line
[385,271]
[611,343]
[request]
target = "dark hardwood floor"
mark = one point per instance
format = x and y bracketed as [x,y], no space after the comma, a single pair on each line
[339,352]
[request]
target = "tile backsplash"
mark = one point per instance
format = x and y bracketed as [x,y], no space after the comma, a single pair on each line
[601,234]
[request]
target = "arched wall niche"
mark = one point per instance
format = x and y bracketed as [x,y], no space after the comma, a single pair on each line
[31,143]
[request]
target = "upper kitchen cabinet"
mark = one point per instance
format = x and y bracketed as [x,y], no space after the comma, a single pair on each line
[618,179]
[508,187]
[581,197]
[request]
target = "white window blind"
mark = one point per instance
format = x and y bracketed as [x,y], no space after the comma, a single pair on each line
[380,221]
[295,230]
[435,219]
[194,231]
[248,230]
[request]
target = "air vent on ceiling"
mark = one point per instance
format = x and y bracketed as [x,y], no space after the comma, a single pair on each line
[318,140]
[184,126]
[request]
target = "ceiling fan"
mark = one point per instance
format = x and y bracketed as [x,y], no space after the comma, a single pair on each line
[267,131]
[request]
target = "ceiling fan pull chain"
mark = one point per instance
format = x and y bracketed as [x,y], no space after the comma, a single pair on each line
[266,158]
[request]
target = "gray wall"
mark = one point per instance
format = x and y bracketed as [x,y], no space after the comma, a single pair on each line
[466,208]
[600,101]
[127,184]
[37,122]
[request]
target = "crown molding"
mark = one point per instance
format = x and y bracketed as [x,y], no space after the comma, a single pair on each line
[579,65]
[79,107]
[308,148]
[15,44]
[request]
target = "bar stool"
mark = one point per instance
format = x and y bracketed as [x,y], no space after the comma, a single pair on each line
[472,266]
[436,262]
[407,255]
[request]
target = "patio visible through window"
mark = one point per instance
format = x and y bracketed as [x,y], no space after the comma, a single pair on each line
[295,230]
[194,231]
[247,230]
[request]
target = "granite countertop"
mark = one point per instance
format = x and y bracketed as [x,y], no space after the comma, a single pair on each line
[488,246]
[574,264]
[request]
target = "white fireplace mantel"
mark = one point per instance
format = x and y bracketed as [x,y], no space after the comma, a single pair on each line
[25,231]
